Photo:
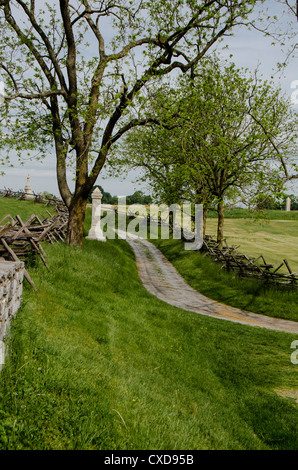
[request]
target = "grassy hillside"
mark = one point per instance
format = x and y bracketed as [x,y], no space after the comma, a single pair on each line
[24,209]
[206,276]
[96,362]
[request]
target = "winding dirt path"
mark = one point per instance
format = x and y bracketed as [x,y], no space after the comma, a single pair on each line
[161,279]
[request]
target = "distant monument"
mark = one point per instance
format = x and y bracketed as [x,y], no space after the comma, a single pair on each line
[288,204]
[28,190]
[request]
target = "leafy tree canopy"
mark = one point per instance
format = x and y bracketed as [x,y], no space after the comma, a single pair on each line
[76,75]
[223,133]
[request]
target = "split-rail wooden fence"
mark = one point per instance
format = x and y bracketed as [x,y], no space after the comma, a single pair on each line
[21,240]
[232,259]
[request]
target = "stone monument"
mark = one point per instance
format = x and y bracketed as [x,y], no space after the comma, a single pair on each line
[288,204]
[28,190]
[95,233]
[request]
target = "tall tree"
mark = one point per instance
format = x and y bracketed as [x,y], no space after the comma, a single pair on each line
[72,70]
[224,132]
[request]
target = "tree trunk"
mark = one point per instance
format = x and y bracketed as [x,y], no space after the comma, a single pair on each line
[220,224]
[75,229]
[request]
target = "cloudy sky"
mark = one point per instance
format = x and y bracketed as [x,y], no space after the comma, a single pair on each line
[250,49]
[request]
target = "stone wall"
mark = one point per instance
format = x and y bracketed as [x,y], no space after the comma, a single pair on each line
[11,289]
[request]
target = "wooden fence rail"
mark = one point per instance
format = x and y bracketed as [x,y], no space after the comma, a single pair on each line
[252,267]
[21,240]
[40,198]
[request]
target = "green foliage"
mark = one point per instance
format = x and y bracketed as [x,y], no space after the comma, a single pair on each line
[264,202]
[138,197]
[222,135]
[294,202]
[276,203]
[106,197]
[75,85]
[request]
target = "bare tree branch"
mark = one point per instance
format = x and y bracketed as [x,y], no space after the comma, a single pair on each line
[53,56]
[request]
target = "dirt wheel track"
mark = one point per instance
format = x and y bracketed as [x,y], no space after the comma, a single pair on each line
[162,280]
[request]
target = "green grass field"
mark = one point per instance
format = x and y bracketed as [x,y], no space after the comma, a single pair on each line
[96,362]
[275,239]
[239,213]
[24,209]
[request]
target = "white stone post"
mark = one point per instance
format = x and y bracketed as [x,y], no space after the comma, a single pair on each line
[95,233]
[288,204]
